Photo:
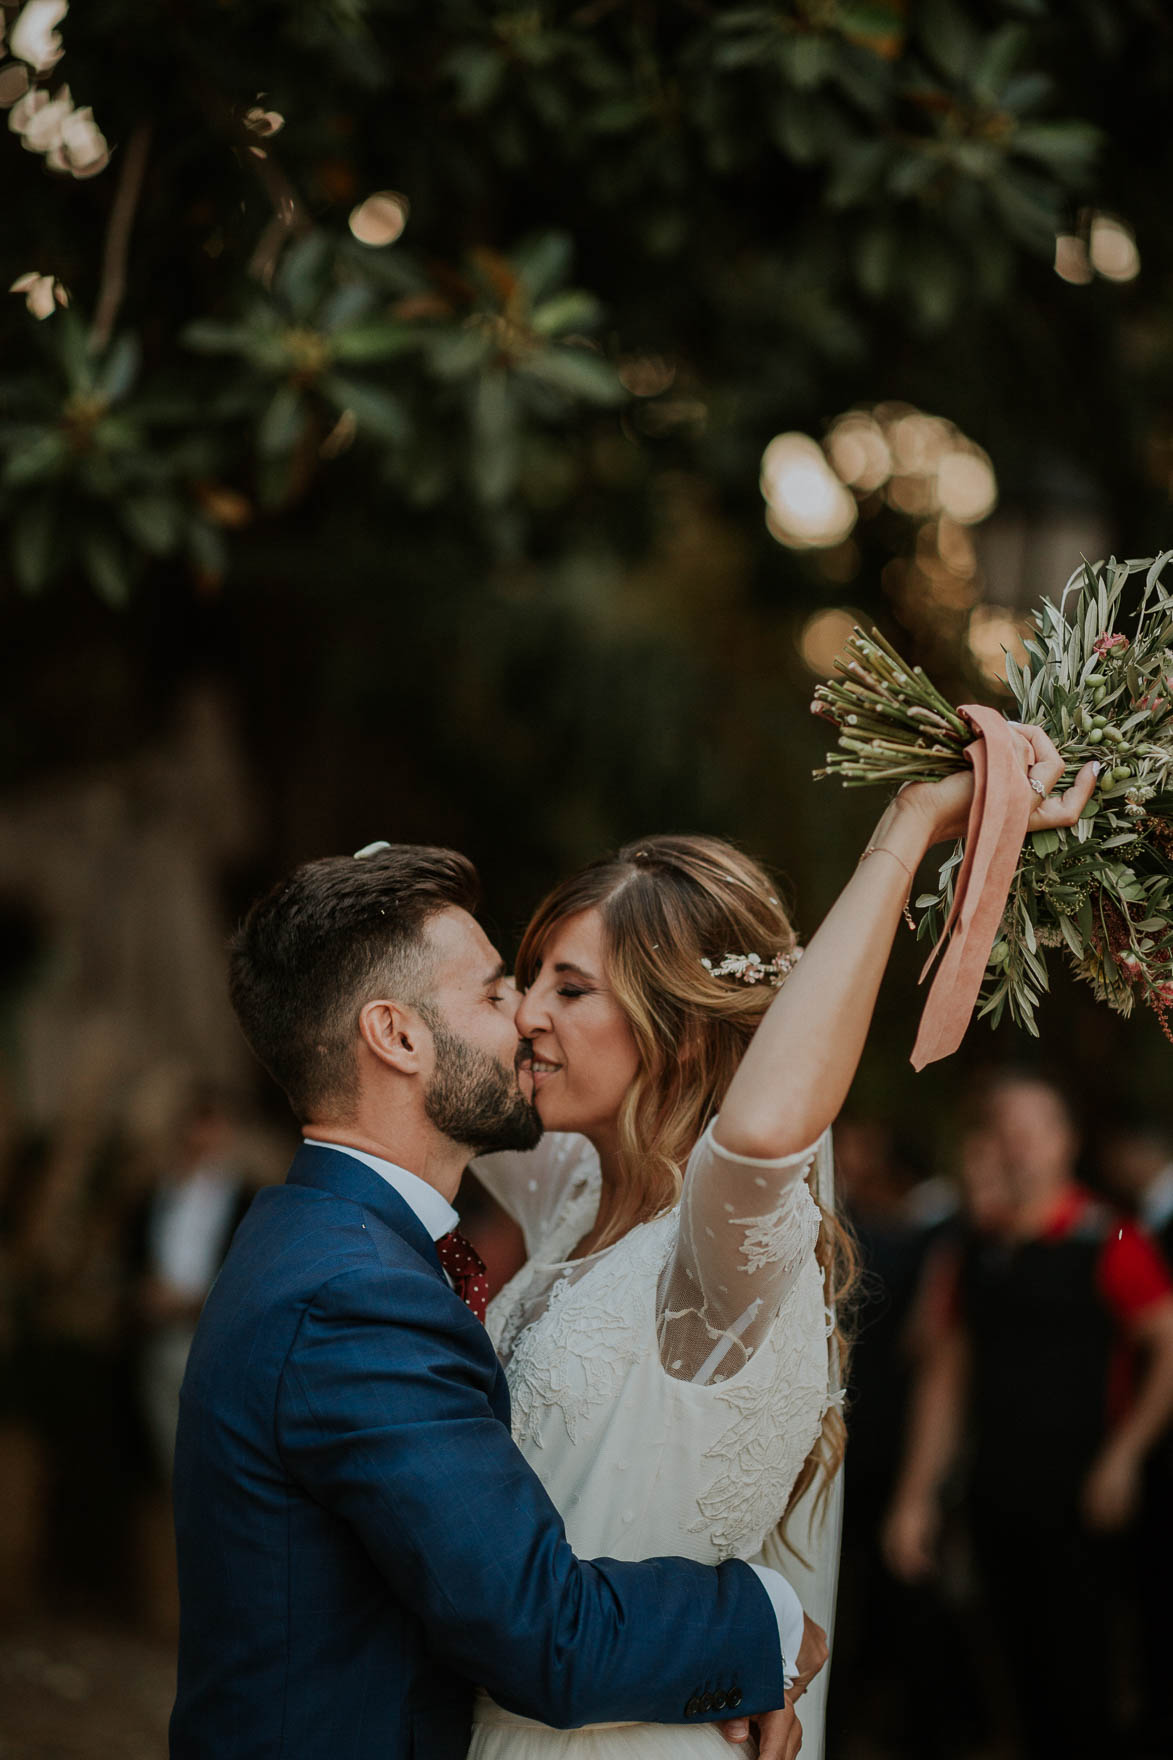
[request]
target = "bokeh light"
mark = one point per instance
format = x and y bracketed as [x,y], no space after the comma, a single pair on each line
[859,451]
[380,219]
[1071,260]
[807,506]
[967,489]
[993,633]
[825,635]
[1112,249]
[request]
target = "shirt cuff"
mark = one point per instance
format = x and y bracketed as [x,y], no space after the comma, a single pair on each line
[788,1612]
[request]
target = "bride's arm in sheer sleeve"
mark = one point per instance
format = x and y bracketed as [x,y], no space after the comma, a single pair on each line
[531,1184]
[748,1220]
[800,1063]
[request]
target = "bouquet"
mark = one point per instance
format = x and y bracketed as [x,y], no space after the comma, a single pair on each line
[1101,893]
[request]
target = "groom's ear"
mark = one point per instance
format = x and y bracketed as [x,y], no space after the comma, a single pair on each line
[396,1036]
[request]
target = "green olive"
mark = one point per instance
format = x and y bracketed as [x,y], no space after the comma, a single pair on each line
[1100,694]
[1121,773]
[999,953]
[1099,721]
[1115,735]
[1096,737]
[1093,678]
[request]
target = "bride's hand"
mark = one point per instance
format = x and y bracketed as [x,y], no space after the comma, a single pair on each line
[944,806]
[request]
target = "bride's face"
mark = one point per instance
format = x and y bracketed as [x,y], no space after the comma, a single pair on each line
[584,1052]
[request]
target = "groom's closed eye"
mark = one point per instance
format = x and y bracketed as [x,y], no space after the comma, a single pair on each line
[498,984]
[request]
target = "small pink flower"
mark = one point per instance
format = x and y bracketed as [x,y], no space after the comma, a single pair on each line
[1131,967]
[1110,644]
[1163,993]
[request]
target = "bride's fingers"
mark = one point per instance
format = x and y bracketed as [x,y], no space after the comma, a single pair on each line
[1059,810]
[1043,760]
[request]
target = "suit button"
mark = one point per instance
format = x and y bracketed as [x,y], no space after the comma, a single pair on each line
[720,1700]
[733,1698]
[706,1701]
[691,1709]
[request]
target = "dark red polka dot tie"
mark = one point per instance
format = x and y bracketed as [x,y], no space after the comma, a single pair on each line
[467,1270]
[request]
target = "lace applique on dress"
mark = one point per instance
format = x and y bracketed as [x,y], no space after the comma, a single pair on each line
[590,1333]
[782,1238]
[762,1452]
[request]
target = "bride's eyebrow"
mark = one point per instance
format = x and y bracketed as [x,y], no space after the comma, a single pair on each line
[578,971]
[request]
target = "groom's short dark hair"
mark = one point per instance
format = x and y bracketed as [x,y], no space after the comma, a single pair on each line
[334,935]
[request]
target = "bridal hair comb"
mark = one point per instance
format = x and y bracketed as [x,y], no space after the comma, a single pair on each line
[370,849]
[751,968]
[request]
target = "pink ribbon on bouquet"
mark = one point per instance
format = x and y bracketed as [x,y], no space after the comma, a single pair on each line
[1003,801]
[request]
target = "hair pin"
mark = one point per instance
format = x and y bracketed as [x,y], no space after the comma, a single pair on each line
[370,849]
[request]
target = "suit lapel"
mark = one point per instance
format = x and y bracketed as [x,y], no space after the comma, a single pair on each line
[331,1171]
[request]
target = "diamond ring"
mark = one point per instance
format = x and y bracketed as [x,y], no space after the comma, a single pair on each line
[1038,787]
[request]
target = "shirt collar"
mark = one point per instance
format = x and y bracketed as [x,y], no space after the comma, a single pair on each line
[425,1202]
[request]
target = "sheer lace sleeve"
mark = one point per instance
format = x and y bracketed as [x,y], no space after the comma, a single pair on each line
[747,1227]
[532,1184]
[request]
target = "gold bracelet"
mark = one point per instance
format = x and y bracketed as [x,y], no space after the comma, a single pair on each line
[879,849]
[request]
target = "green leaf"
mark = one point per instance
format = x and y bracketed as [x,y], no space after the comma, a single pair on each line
[577,372]
[345,304]
[1069,148]
[105,563]
[35,535]
[303,270]
[205,336]
[376,341]
[495,452]
[1001,55]
[573,310]
[282,423]
[36,461]
[949,37]
[542,263]
[207,548]
[153,521]
[376,411]
[119,369]
[1045,843]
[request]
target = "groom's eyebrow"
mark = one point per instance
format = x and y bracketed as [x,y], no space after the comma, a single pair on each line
[496,976]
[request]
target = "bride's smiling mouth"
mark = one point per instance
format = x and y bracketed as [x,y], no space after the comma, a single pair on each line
[539,1069]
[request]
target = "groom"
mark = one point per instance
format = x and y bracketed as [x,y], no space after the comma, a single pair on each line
[359,1539]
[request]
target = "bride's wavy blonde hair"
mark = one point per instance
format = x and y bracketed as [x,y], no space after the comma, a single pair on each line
[668,904]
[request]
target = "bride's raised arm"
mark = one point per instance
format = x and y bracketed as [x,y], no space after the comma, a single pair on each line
[799,1065]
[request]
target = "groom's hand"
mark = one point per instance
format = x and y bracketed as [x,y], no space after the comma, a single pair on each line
[779,1733]
[812,1656]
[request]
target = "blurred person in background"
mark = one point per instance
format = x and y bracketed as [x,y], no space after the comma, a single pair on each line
[895,1220]
[1135,1159]
[180,1231]
[1042,1307]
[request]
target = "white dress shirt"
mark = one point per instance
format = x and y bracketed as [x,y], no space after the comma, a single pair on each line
[423,1200]
[438,1217]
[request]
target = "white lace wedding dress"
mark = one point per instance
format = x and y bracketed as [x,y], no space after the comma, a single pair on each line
[666,1390]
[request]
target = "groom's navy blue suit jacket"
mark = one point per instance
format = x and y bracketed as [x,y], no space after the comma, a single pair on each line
[359,1539]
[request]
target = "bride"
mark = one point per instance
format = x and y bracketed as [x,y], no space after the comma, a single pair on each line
[671,1343]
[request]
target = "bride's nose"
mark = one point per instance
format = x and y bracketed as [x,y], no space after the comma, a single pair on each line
[531,1016]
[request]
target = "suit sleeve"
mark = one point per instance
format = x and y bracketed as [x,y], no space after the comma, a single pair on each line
[384,1417]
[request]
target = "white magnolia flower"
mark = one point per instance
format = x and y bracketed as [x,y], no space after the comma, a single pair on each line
[82,148]
[34,36]
[40,120]
[42,293]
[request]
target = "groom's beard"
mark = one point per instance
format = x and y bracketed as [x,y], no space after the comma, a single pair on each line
[473,1100]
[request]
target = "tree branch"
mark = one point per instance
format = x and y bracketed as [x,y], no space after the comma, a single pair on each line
[126,197]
